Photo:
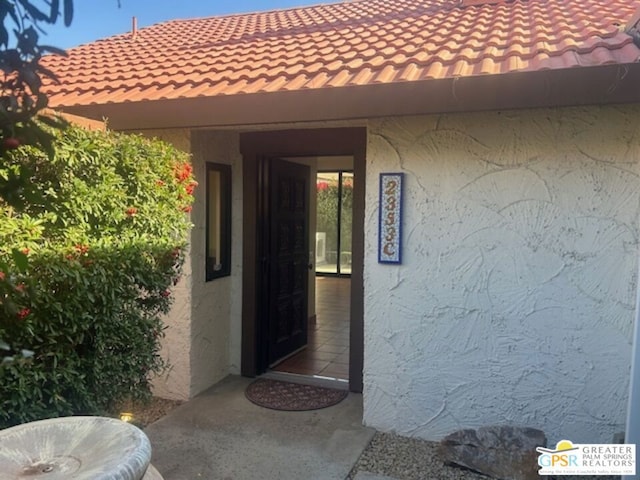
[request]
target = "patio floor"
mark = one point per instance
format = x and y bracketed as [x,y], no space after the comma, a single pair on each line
[221,435]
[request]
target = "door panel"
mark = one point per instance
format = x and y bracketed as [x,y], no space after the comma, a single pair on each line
[288,260]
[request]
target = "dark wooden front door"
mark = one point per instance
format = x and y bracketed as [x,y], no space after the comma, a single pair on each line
[254,146]
[288,258]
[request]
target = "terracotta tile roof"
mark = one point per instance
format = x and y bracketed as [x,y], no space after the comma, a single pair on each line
[343,44]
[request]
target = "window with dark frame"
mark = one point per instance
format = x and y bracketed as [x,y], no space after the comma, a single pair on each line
[218,226]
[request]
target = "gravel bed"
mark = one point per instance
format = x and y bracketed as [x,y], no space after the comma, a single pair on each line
[146,413]
[405,458]
[155,410]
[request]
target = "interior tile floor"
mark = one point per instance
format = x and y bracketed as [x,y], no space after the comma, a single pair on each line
[327,352]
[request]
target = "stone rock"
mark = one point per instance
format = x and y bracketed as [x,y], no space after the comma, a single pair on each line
[502,452]
[618,437]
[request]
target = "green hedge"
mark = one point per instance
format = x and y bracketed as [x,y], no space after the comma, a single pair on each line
[86,270]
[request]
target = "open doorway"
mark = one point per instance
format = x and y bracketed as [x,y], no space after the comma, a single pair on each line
[326,353]
[266,260]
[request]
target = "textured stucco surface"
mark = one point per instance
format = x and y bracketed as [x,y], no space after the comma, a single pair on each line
[216,302]
[203,334]
[235,321]
[515,300]
[174,384]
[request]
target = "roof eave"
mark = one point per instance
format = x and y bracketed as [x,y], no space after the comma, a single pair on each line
[609,84]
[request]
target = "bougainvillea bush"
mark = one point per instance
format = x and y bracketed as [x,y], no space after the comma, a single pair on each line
[86,272]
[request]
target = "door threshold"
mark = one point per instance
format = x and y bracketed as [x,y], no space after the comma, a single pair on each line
[317,380]
[288,356]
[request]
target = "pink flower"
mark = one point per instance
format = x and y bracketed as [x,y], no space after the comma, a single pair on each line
[24,313]
[321,186]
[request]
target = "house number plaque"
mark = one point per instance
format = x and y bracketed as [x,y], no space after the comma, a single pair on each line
[390,220]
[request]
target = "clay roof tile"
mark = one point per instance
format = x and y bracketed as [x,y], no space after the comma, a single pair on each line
[356,42]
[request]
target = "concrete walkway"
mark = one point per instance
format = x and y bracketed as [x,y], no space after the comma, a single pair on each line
[221,435]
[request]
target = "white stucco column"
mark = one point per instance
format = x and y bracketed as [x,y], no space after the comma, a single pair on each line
[633,413]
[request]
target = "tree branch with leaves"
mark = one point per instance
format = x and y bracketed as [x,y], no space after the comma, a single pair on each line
[21,97]
[22,100]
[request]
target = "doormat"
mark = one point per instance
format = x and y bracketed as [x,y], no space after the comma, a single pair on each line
[288,396]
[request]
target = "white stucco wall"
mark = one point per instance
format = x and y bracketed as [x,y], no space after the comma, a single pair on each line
[176,345]
[217,304]
[515,300]
[235,320]
[201,332]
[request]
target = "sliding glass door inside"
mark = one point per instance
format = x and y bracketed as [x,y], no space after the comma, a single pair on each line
[334,222]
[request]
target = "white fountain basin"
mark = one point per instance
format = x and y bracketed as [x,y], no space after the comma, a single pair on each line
[74,448]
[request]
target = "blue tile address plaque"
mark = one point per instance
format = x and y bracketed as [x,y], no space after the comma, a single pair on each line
[390,218]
